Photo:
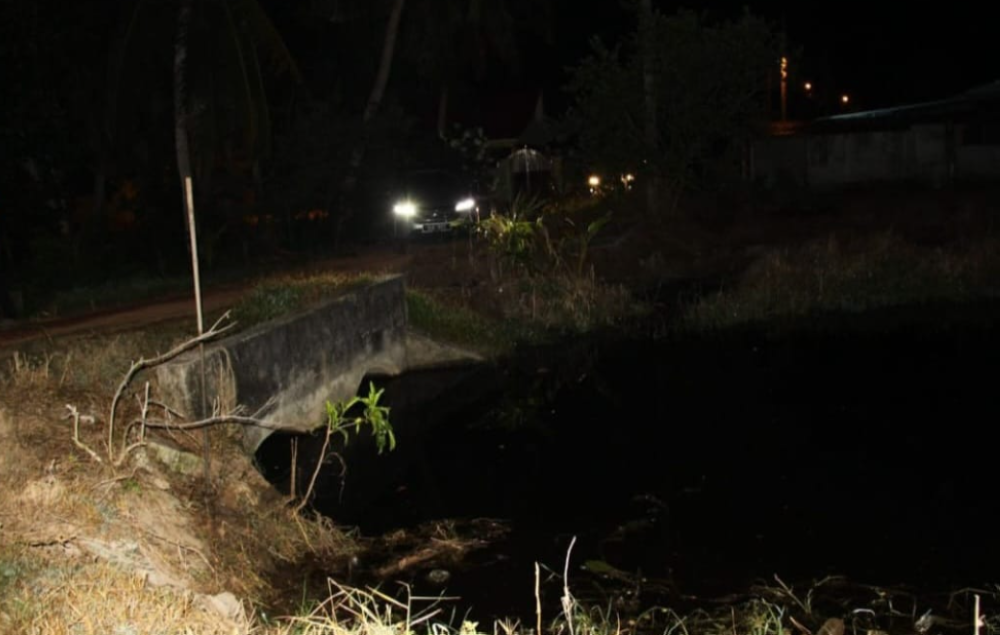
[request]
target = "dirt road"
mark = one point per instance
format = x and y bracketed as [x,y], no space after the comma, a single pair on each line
[379,260]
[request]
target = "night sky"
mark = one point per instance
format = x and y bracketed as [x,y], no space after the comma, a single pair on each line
[893,53]
[882,56]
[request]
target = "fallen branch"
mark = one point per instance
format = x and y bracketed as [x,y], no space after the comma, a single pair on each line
[143,364]
[127,449]
[167,409]
[319,464]
[438,549]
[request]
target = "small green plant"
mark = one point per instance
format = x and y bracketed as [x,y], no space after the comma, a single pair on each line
[375,415]
[339,422]
[541,253]
[569,252]
[132,486]
[764,618]
[512,238]
[522,240]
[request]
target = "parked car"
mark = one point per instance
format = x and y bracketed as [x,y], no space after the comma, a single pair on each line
[432,202]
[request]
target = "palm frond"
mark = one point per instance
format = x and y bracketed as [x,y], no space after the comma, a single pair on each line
[251,18]
[262,145]
[242,54]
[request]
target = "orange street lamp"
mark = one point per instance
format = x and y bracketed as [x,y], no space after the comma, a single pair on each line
[784,88]
[845,99]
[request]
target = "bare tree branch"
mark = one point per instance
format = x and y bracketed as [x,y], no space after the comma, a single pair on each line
[128,449]
[219,420]
[75,415]
[315,474]
[143,364]
[167,409]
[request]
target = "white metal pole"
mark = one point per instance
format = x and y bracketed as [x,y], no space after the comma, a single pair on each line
[189,197]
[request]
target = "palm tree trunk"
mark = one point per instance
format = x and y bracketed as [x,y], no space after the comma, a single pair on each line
[180,98]
[385,63]
[442,117]
[350,180]
[184,172]
[651,116]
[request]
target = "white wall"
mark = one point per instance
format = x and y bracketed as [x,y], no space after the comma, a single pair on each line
[918,153]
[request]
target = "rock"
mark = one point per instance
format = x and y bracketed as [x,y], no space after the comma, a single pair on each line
[161,483]
[833,626]
[178,460]
[157,578]
[438,576]
[225,605]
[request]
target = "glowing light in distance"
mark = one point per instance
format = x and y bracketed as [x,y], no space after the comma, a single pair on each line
[405,209]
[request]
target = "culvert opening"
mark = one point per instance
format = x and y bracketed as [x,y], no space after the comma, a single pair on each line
[358,486]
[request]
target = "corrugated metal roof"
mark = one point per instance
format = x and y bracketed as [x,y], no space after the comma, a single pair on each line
[986,91]
[983,99]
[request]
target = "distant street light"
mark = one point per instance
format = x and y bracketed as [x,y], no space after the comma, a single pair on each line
[594,182]
[808,86]
[784,88]
[845,99]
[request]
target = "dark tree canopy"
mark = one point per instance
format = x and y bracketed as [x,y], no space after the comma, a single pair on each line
[710,87]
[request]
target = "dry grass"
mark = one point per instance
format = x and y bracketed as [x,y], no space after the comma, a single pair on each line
[88,548]
[50,596]
[852,276]
[567,302]
[92,362]
[349,611]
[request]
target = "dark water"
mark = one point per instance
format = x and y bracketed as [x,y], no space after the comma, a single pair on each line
[708,462]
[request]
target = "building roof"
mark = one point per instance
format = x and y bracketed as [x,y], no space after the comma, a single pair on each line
[977,103]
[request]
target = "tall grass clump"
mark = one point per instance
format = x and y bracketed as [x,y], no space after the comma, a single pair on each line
[851,277]
[539,259]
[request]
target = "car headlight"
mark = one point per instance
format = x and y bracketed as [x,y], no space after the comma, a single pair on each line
[405,209]
[465,205]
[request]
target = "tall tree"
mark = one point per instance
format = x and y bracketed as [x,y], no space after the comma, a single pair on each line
[220,101]
[442,40]
[450,42]
[709,87]
[49,51]
[647,48]
[377,92]
[345,208]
